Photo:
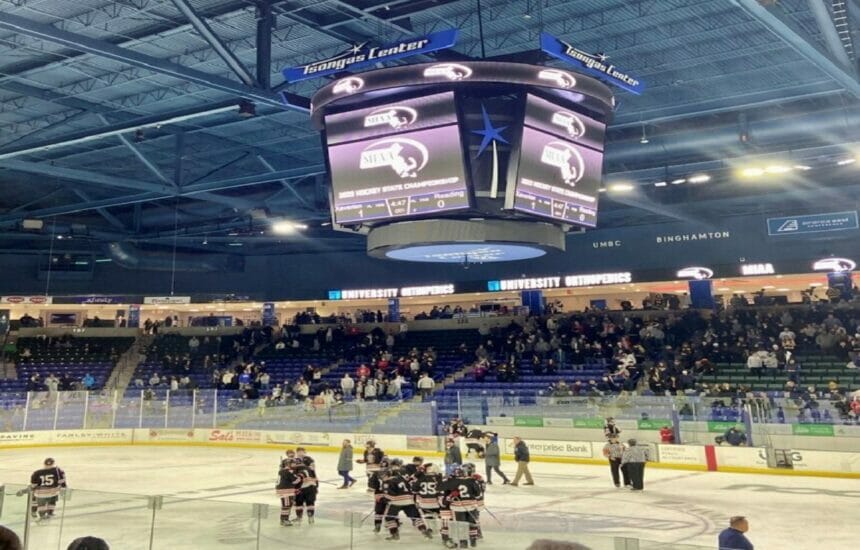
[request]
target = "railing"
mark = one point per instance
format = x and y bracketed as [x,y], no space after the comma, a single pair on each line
[138,522]
[203,409]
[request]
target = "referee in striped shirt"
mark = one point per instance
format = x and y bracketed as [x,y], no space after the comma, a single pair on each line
[614,451]
[634,459]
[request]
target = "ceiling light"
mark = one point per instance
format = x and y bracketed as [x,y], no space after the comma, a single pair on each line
[815,284]
[777,169]
[644,139]
[784,289]
[678,181]
[803,167]
[699,178]
[724,289]
[767,287]
[103,260]
[235,244]
[845,162]
[602,190]
[659,184]
[621,187]
[285,227]
[752,172]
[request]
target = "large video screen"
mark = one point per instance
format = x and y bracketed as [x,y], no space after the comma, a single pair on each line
[558,175]
[397,160]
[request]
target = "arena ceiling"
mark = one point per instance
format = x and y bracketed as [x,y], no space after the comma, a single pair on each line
[120,123]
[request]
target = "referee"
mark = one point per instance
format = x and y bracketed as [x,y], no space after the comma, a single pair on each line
[634,459]
[614,451]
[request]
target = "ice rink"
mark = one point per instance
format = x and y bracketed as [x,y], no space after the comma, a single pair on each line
[568,502]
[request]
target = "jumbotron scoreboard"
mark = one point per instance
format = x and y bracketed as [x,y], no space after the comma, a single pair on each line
[505,154]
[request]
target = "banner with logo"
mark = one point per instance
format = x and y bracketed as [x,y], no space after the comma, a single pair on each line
[820,430]
[26,300]
[741,457]
[299,438]
[97,300]
[813,223]
[682,454]
[564,449]
[597,65]
[364,55]
[133,316]
[825,461]
[269,317]
[166,300]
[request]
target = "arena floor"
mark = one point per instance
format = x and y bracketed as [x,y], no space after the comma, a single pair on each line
[568,502]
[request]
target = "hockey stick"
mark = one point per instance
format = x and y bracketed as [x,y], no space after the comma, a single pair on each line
[492,515]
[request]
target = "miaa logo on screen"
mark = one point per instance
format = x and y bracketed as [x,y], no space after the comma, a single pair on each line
[451,71]
[405,156]
[566,158]
[570,122]
[396,116]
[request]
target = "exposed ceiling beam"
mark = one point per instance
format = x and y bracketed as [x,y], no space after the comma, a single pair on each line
[831,37]
[782,29]
[79,42]
[287,184]
[110,218]
[203,28]
[83,176]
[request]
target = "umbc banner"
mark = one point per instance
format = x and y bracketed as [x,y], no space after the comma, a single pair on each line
[363,55]
[592,64]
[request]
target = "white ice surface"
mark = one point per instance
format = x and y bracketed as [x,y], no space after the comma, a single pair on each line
[568,502]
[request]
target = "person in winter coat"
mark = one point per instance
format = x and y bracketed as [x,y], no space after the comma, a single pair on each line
[521,456]
[453,457]
[493,459]
[344,464]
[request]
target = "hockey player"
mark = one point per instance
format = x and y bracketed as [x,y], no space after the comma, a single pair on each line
[475,442]
[306,496]
[426,488]
[470,470]
[374,485]
[288,486]
[461,492]
[371,459]
[289,456]
[45,484]
[307,460]
[412,469]
[400,499]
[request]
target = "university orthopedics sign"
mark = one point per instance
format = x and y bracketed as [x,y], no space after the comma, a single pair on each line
[567,281]
[364,55]
[379,293]
[593,64]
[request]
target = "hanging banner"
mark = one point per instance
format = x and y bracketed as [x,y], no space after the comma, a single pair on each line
[133,316]
[269,318]
[363,55]
[593,64]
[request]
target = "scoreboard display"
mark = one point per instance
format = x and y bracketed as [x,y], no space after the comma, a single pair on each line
[396,160]
[560,164]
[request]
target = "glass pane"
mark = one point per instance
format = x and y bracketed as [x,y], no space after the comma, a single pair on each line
[71,413]
[100,410]
[192,524]
[14,511]
[154,406]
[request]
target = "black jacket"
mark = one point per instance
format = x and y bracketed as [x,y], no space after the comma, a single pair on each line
[521,452]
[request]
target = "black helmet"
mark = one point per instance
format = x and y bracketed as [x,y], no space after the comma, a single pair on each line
[458,472]
[396,464]
[49,462]
[469,469]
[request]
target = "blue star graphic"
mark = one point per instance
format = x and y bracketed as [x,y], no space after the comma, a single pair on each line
[489,133]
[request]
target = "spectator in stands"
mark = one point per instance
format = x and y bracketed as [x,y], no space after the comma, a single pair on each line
[88,381]
[667,435]
[347,385]
[370,390]
[734,537]
[425,386]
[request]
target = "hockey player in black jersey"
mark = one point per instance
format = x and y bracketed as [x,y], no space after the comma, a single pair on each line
[461,494]
[374,485]
[289,483]
[45,484]
[412,469]
[306,496]
[371,459]
[289,456]
[307,460]
[470,471]
[398,493]
[426,488]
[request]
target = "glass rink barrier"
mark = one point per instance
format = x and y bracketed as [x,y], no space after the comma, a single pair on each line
[138,522]
[161,408]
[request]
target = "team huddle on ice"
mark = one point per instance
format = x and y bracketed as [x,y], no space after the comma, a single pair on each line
[417,490]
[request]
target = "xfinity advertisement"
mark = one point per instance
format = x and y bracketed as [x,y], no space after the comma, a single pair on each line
[557,179]
[391,118]
[407,174]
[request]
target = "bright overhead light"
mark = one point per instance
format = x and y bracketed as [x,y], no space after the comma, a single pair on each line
[777,169]
[602,190]
[659,184]
[803,167]
[700,178]
[235,244]
[845,162]
[784,289]
[815,284]
[768,287]
[678,181]
[287,227]
[724,289]
[752,172]
[621,187]
[644,139]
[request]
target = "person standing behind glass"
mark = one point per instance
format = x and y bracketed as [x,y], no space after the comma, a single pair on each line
[493,459]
